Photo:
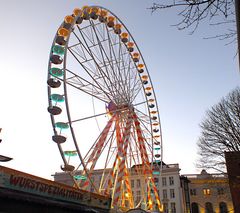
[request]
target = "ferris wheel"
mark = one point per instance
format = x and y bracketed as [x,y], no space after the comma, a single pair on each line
[103,108]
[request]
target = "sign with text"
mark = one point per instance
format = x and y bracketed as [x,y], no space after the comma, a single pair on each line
[20,181]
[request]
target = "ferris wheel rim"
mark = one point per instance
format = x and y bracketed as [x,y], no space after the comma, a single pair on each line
[66,95]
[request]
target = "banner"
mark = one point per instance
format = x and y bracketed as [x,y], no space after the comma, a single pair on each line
[20,181]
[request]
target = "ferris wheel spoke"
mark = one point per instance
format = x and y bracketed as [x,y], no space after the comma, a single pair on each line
[107,163]
[101,149]
[148,133]
[146,117]
[137,89]
[88,70]
[86,157]
[145,128]
[79,51]
[126,135]
[96,95]
[103,55]
[129,72]
[107,58]
[100,140]
[110,62]
[126,64]
[111,150]
[88,117]
[82,83]
[85,55]
[100,86]
[123,78]
[119,76]
[88,35]
[134,151]
[98,149]
[92,77]
[90,52]
[104,113]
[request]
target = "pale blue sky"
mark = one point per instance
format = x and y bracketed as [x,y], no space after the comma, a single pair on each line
[189,75]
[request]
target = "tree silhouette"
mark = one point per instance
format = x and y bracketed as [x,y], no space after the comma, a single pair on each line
[220,132]
[192,12]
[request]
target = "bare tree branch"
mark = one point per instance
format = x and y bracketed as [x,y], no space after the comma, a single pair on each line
[220,132]
[192,12]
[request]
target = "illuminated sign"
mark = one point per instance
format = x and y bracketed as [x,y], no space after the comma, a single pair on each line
[16,180]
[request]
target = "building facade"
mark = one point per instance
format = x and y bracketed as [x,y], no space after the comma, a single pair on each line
[167,182]
[170,189]
[233,169]
[209,193]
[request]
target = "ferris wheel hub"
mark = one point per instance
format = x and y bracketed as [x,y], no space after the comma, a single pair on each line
[113,108]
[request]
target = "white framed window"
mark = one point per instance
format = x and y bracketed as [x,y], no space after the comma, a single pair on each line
[172,193]
[165,207]
[138,183]
[132,183]
[164,193]
[138,196]
[171,180]
[164,181]
[173,207]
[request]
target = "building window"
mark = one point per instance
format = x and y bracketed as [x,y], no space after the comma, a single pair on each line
[193,192]
[100,178]
[223,207]
[138,197]
[165,207]
[206,191]
[173,208]
[220,191]
[164,181]
[208,207]
[132,183]
[172,193]
[194,208]
[156,180]
[138,183]
[137,200]
[171,181]
[164,193]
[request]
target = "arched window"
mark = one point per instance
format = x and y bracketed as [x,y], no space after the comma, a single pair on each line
[194,207]
[208,207]
[223,207]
